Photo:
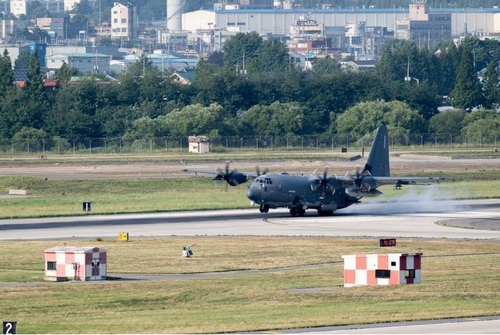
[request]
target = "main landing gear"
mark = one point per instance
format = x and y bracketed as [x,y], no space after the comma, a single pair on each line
[322,212]
[297,211]
[264,208]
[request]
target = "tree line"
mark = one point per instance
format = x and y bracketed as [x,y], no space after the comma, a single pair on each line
[253,88]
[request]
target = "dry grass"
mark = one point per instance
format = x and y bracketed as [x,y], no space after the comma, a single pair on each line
[460,278]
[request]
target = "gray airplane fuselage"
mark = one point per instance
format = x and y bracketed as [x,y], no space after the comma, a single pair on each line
[294,190]
[323,192]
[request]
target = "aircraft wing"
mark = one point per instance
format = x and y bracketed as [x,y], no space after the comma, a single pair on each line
[233,177]
[204,171]
[396,181]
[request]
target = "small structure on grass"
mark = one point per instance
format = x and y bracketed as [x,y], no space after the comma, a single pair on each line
[75,263]
[199,144]
[382,269]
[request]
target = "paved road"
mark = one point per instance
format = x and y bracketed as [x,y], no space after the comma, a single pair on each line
[480,325]
[377,220]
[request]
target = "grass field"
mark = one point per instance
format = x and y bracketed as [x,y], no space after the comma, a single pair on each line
[451,286]
[65,197]
[459,278]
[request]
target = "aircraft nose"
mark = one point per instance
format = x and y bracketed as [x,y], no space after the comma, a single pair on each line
[253,193]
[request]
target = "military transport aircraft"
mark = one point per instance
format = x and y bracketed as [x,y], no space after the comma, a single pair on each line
[325,193]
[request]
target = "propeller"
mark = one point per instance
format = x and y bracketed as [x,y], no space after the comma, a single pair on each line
[225,175]
[266,170]
[320,181]
[362,180]
[233,177]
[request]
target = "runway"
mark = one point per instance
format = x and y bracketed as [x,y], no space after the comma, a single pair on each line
[442,220]
[374,220]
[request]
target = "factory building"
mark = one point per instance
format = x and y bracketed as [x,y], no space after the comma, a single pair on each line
[278,21]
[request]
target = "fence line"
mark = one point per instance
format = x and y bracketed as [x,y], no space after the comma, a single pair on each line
[221,144]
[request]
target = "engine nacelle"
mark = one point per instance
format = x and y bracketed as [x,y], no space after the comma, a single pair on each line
[237,178]
[360,192]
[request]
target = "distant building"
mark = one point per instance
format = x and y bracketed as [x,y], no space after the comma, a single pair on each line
[53,6]
[4,6]
[7,27]
[84,63]
[124,22]
[244,4]
[423,27]
[164,61]
[60,27]
[199,144]
[18,7]
[279,21]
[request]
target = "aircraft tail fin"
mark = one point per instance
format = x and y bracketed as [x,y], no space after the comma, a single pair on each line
[378,159]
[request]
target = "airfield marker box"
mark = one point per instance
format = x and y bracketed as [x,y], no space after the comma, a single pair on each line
[382,269]
[87,206]
[77,263]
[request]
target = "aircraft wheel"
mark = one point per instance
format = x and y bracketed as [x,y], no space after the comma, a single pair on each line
[293,211]
[301,211]
[264,208]
[324,213]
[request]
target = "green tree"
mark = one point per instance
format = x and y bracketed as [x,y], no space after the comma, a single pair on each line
[421,96]
[240,49]
[73,113]
[115,121]
[480,114]
[32,103]
[491,85]
[216,57]
[448,60]
[277,119]
[224,86]
[326,66]
[483,130]
[396,56]
[447,122]
[146,128]
[272,55]
[363,118]
[64,74]
[35,9]
[30,139]
[212,121]
[467,93]
[83,7]
[22,61]
[6,74]
[131,80]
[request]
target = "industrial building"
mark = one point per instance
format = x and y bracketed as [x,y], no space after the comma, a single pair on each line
[278,21]
[86,63]
[19,7]
[124,22]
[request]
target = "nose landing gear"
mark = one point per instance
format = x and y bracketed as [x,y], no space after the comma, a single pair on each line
[264,208]
[297,211]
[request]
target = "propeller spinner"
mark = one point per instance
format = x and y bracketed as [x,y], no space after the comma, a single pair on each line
[233,177]
[323,181]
